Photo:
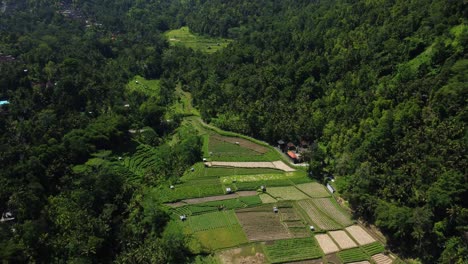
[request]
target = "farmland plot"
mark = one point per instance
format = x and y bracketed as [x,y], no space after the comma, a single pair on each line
[286,193]
[279,165]
[318,218]
[343,240]
[373,248]
[262,225]
[327,206]
[382,259]
[313,189]
[352,255]
[221,237]
[326,243]
[360,235]
[266,198]
[293,249]
[212,220]
[242,143]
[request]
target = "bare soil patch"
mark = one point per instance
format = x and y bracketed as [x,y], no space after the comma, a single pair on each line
[343,240]
[326,243]
[360,235]
[243,143]
[360,262]
[244,255]
[262,225]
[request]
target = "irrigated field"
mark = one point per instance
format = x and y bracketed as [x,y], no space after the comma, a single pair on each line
[317,217]
[342,239]
[221,238]
[212,220]
[292,250]
[352,255]
[327,206]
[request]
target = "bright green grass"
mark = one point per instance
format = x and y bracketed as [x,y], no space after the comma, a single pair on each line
[352,255]
[192,189]
[373,248]
[147,87]
[293,250]
[184,37]
[211,220]
[252,186]
[329,207]
[218,238]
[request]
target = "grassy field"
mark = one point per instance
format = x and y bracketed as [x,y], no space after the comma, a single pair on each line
[183,36]
[211,221]
[313,189]
[293,250]
[317,217]
[192,189]
[352,255]
[329,207]
[286,193]
[182,105]
[142,85]
[241,202]
[218,238]
[226,151]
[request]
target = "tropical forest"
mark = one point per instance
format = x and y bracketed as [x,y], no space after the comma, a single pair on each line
[234,131]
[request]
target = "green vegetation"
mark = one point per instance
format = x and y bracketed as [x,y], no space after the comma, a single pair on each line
[144,86]
[211,221]
[200,208]
[373,248]
[286,193]
[184,37]
[293,250]
[221,238]
[192,189]
[352,255]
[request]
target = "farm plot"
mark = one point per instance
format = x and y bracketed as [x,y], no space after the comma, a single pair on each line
[293,222]
[217,238]
[342,239]
[382,259]
[282,251]
[286,193]
[326,244]
[360,262]
[221,148]
[262,225]
[191,189]
[183,36]
[220,172]
[266,198]
[373,248]
[257,178]
[252,253]
[317,217]
[212,220]
[242,143]
[352,255]
[360,235]
[280,165]
[216,205]
[313,189]
[327,206]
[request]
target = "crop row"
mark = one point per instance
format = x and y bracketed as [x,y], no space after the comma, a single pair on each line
[318,217]
[352,255]
[212,220]
[328,207]
[293,250]
[374,248]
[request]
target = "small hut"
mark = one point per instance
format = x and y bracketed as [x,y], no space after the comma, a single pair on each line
[263,188]
[171,187]
[228,190]
[275,209]
[183,217]
[312,228]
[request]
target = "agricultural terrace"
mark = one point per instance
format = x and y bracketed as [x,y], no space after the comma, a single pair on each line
[342,239]
[286,193]
[352,255]
[218,238]
[213,206]
[144,86]
[313,189]
[262,224]
[360,235]
[184,37]
[332,210]
[382,259]
[317,217]
[211,221]
[326,243]
[292,250]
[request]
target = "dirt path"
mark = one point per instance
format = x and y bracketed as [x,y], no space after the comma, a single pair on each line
[280,165]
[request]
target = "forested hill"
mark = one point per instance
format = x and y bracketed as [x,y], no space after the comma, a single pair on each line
[379,86]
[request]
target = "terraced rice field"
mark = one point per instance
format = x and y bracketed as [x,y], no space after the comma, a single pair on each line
[360,235]
[293,249]
[382,259]
[212,220]
[321,220]
[313,189]
[244,143]
[342,239]
[218,238]
[286,193]
[266,198]
[326,244]
[331,209]
[352,255]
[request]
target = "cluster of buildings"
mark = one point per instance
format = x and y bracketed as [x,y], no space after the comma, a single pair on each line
[297,153]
